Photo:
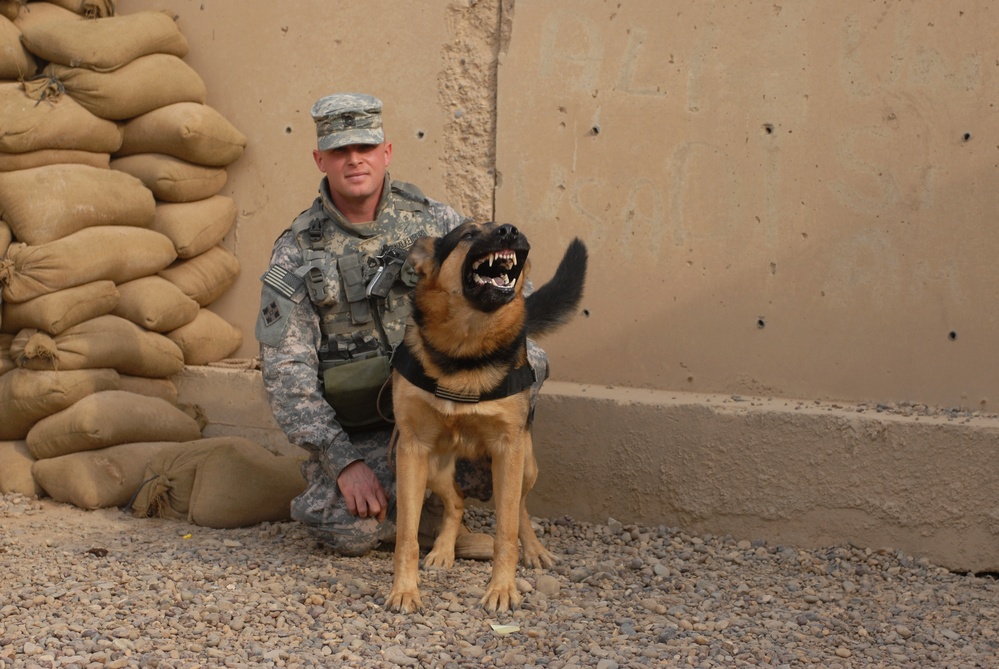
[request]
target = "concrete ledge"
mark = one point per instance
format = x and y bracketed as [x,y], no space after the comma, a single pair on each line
[786,471]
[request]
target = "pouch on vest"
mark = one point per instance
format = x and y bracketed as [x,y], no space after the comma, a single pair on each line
[352,390]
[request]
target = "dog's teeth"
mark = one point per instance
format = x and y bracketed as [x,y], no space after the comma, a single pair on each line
[491,256]
[513,284]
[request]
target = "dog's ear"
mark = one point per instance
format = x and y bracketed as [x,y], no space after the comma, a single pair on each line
[421,256]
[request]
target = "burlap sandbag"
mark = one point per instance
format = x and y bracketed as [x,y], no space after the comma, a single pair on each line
[28,396]
[143,85]
[195,227]
[172,179]
[106,44]
[241,483]
[57,122]
[109,418]
[15,469]
[169,479]
[26,161]
[190,131]
[97,479]
[92,9]
[116,253]
[165,389]
[204,278]
[155,304]
[207,338]
[6,359]
[41,12]
[103,342]
[47,203]
[15,61]
[55,312]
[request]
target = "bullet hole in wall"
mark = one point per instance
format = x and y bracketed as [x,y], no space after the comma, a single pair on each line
[761,323]
[952,335]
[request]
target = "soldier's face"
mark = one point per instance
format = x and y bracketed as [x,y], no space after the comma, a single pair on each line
[355,172]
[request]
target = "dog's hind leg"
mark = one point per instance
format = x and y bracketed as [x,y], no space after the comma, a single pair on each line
[442,483]
[535,554]
[411,485]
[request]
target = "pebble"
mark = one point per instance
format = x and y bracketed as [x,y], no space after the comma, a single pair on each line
[102,589]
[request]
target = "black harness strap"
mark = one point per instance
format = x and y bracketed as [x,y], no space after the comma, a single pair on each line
[404,362]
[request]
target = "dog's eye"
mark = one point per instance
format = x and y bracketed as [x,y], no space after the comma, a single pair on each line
[468,235]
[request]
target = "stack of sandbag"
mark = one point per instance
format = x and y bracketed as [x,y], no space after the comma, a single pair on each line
[111,229]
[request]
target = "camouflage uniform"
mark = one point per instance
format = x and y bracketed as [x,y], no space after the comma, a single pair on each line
[288,328]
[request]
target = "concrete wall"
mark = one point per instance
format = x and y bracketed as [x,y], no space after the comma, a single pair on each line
[781,201]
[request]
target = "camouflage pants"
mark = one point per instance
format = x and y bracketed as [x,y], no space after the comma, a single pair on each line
[322,509]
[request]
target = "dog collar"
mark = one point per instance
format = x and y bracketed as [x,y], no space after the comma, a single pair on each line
[404,362]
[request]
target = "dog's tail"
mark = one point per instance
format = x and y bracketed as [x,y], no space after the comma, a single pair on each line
[554,303]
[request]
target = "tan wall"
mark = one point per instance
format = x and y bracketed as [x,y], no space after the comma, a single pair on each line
[779,200]
[789,200]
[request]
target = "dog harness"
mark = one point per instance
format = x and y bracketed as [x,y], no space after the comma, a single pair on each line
[404,362]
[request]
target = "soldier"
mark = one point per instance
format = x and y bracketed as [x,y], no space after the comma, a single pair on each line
[334,304]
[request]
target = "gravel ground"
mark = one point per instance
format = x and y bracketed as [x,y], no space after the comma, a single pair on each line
[103,589]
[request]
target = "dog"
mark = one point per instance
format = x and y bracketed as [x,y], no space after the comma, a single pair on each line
[461,388]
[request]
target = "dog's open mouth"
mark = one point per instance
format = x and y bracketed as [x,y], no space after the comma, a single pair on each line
[499,269]
[491,278]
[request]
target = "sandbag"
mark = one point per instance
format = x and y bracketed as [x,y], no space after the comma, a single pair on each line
[56,122]
[169,479]
[15,469]
[172,179]
[5,238]
[116,253]
[103,342]
[203,278]
[143,85]
[27,396]
[91,9]
[15,61]
[190,131]
[26,161]
[155,304]
[220,482]
[41,12]
[98,479]
[47,203]
[106,44]
[195,227]
[109,418]
[241,483]
[54,312]
[207,338]
[165,389]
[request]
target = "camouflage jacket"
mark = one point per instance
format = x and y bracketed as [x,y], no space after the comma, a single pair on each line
[288,325]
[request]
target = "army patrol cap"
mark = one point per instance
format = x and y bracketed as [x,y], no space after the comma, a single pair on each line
[343,119]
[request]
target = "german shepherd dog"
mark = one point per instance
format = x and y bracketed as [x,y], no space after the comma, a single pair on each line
[461,388]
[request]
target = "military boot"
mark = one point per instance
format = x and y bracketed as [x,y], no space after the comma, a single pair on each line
[468,545]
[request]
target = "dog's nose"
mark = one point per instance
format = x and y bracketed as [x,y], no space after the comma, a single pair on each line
[507,231]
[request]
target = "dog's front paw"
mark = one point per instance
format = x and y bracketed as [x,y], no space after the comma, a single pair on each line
[537,556]
[439,559]
[500,598]
[404,601]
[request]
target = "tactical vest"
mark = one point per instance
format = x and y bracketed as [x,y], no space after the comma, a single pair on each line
[344,271]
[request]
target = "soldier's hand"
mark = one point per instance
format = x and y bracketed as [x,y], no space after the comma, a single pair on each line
[363,493]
